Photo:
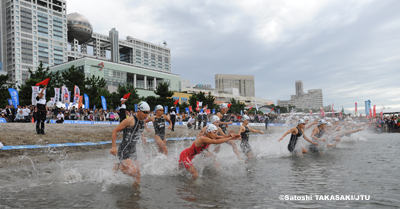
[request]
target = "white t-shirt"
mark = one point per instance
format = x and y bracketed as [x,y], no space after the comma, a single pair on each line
[123,106]
[60,115]
[172,113]
[191,121]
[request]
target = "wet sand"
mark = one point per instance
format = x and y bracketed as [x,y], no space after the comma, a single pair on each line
[25,134]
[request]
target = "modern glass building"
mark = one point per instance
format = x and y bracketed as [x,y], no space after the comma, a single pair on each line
[145,80]
[32,31]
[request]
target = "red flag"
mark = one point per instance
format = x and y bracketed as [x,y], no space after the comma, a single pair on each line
[197,105]
[229,105]
[340,114]
[176,102]
[45,82]
[190,109]
[374,111]
[381,114]
[370,113]
[272,110]
[126,96]
[250,108]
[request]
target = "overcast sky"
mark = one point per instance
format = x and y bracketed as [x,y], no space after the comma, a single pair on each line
[349,49]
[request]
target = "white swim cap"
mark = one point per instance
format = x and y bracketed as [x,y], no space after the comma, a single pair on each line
[321,122]
[305,118]
[301,121]
[211,128]
[223,105]
[328,124]
[245,117]
[159,107]
[1,145]
[336,119]
[214,119]
[143,106]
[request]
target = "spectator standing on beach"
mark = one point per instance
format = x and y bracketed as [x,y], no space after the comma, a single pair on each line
[122,110]
[173,118]
[41,112]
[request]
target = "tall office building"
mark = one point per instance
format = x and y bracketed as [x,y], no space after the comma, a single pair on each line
[244,83]
[32,31]
[311,100]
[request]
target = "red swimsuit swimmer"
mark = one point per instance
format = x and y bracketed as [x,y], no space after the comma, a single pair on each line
[189,153]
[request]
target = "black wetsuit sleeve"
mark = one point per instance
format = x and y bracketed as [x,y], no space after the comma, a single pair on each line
[37,98]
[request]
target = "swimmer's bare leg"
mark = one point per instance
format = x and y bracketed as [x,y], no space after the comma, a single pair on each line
[235,149]
[131,169]
[161,145]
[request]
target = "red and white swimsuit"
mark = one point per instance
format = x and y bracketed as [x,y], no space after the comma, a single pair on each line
[188,154]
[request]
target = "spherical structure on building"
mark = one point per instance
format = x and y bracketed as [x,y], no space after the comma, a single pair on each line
[79,28]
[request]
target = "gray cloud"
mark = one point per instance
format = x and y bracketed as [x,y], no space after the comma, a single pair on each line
[349,49]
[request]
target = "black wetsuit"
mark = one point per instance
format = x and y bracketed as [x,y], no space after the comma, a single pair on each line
[266,122]
[199,119]
[293,141]
[41,115]
[312,147]
[205,119]
[122,112]
[127,148]
[224,119]
[173,118]
[244,144]
[159,127]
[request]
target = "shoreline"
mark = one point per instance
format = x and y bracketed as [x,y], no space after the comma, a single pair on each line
[15,134]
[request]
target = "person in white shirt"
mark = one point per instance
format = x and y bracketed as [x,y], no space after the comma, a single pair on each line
[191,122]
[122,110]
[60,117]
[26,112]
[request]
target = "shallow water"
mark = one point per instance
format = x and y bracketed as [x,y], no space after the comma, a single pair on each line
[363,164]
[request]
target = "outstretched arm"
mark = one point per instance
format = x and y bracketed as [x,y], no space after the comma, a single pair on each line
[255,131]
[288,132]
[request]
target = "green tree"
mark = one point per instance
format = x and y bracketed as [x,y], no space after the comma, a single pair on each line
[164,96]
[4,94]
[95,86]
[125,89]
[72,77]
[236,106]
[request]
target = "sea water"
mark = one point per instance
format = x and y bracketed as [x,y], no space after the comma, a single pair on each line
[362,164]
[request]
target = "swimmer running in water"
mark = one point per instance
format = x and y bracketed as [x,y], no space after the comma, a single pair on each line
[199,145]
[223,124]
[159,128]
[132,128]
[244,134]
[297,132]
[316,135]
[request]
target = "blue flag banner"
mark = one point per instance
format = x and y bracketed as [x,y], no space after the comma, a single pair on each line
[165,109]
[177,110]
[94,107]
[279,111]
[213,111]
[14,96]
[69,96]
[9,101]
[187,110]
[66,105]
[103,103]
[241,112]
[86,101]
[135,107]
[201,110]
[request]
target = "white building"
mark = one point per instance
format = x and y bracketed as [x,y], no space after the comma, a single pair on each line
[311,100]
[32,31]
